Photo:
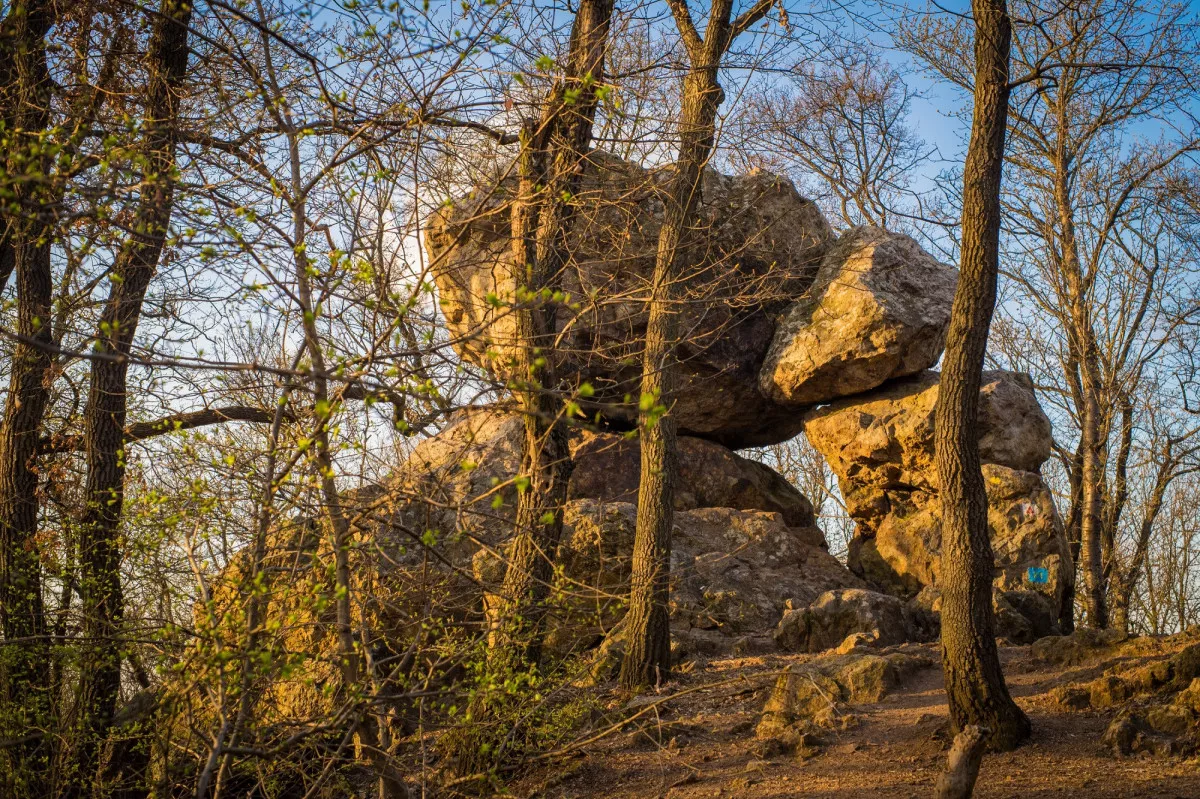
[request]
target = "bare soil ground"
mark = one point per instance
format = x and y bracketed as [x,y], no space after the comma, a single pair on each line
[702,744]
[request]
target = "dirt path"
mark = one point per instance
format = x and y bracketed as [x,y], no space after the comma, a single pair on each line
[703,745]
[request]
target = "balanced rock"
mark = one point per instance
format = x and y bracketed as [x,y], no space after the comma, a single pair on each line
[756,250]
[878,310]
[880,446]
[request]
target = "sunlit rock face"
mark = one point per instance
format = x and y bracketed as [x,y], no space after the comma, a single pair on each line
[754,251]
[881,447]
[878,310]
[744,544]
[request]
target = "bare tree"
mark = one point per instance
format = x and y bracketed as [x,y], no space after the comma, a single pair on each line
[647,626]
[1089,233]
[975,687]
[841,126]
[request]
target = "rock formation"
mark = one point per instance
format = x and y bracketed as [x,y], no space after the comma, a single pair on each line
[455,476]
[744,544]
[814,695]
[868,618]
[780,318]
[757,249]
[878,310]
[880,446]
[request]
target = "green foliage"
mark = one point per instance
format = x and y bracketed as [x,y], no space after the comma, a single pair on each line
[511,711]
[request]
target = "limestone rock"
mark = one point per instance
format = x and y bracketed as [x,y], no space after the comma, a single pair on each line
[454,477]
[732,572]
[1133,734]
[744,542]
[880,446]
[1079,647]
[886,436]
[878,310]
[1023,617]
[1170,719]
[814,693]
[1109,691]
[869,679]
[757,250]
[1070,697]
[802,692]
[1013,429]
[1190,697]
[836,615]
[607,467]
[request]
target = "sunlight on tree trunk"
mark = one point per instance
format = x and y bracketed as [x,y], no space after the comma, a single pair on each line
[975,685]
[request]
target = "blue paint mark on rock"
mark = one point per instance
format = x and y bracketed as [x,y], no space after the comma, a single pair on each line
[1038,575]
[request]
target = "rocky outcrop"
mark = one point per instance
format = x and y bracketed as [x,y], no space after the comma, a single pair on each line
[878,310]
[881,447]
[757,250]
[455,477]
[1152,682]
[814,695]
[873,619]
[886,436]
[743,547]
[732,574]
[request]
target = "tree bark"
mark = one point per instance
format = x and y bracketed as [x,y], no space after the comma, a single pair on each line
[104,415]
[975,685]
[550,165]
[1066,614]
[647,626]
[962,764]
[25,252]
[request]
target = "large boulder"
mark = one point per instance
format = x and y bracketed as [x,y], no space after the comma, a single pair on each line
[881,448]
[732,573]
[882,619]
[757,249]
[886,436]
[743,547]
[878,310]
[901,553]
[608,467]
[455,477]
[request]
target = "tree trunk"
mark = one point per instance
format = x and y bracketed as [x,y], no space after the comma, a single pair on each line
[975,685]
[1090,527]
[1083,345]
[1066,613]
[962,764]
[647,626]
[25,714]
[105,412]
[550,166]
